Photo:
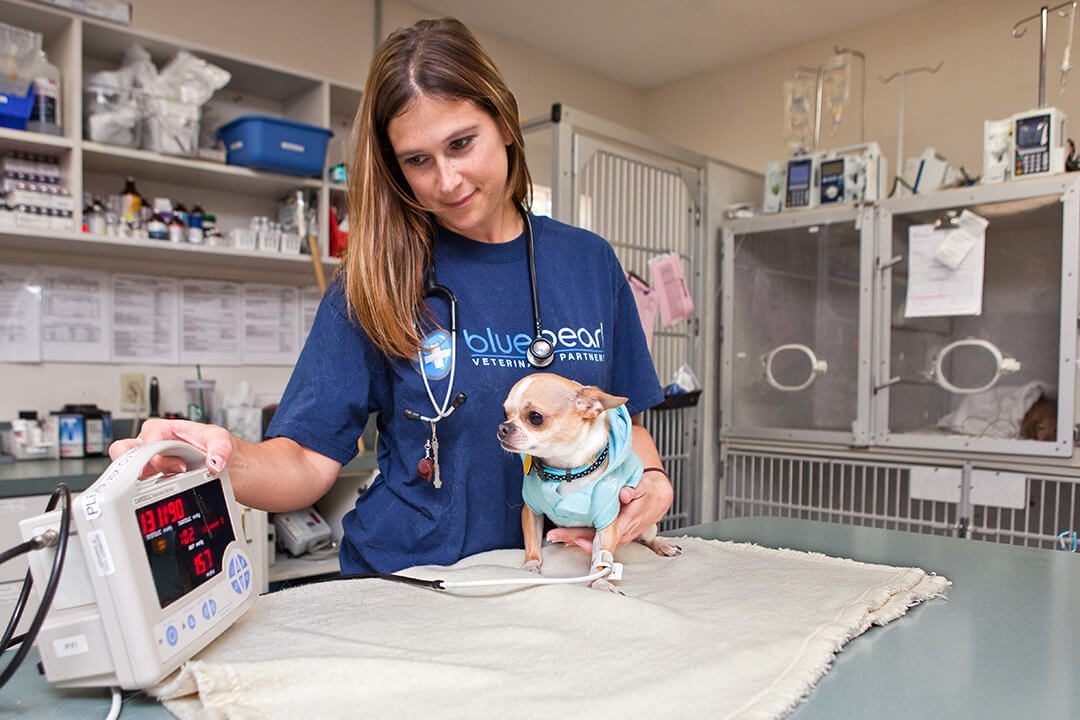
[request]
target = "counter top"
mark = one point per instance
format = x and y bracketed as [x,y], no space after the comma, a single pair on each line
[1004,644]
[40,477]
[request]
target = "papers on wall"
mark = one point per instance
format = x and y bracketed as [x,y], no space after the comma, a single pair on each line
[144,326]
[210,322]
[667,278]
[20,314]
[60,314]
[271,325]
[310,297]
[646,301]
[75,318]
[934,288]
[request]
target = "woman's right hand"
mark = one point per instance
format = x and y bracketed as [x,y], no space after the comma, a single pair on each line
[216,442]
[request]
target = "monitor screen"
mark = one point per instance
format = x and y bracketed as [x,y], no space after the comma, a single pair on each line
[1032,132]
[185,536]
[798,174]
[832,168]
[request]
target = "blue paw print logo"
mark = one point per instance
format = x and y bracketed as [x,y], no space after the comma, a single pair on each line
[437,355]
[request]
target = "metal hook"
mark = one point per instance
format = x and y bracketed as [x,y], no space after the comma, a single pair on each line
[909,71]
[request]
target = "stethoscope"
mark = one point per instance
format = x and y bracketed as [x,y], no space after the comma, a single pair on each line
[540,352]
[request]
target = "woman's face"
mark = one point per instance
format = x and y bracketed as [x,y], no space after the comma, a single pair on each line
[453,155]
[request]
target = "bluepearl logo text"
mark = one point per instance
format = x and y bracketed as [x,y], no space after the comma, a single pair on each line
[492,349]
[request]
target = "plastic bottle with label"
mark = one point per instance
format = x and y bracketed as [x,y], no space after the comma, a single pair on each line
[45,115]
[130,207]
[195,229]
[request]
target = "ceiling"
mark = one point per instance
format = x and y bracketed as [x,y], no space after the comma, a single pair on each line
[646,43]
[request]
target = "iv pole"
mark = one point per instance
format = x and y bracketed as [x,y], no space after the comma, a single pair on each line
[819,72]
[1018,31]
[903,74]
[862,88]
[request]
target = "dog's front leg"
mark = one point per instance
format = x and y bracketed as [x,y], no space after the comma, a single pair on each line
[603,556]
[532,526]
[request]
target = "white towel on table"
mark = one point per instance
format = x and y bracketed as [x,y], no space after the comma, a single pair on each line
[724,630]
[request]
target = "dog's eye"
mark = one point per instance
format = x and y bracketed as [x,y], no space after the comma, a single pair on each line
[535,418]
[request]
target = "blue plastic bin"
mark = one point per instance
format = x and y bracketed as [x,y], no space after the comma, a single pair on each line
[15,109]
[281,146]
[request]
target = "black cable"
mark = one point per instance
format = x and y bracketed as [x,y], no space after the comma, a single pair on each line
[404,579]
[61,493]
[10,639]
[16,551]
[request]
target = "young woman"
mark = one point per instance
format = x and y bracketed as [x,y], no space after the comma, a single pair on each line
[439,233]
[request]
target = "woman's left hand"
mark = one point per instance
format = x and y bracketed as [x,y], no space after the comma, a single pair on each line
[642,506]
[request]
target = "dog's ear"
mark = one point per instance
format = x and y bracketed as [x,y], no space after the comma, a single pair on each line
[590,401]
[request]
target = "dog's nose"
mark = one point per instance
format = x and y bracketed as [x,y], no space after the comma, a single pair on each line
[505,429]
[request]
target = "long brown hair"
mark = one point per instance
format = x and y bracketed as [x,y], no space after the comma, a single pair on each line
[390,233]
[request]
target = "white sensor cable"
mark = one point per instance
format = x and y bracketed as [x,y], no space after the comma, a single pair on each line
[614,572]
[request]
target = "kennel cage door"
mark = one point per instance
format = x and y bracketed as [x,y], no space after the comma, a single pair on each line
[795,327]
[966,381]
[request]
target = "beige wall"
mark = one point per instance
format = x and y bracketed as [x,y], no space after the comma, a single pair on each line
[538,80]
[336,39]
[737,114]
[328,38]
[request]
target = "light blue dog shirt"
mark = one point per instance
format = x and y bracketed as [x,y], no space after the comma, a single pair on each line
[597,504]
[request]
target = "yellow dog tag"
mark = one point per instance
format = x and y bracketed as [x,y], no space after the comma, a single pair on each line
[528,464]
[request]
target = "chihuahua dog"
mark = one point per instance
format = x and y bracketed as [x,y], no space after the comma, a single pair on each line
[575,442]
[1040,421]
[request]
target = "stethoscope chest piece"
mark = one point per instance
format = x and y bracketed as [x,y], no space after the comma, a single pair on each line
[541,352]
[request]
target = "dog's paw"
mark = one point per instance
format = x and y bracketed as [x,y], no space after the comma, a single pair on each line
[604,585]
[532,566]
[666,549]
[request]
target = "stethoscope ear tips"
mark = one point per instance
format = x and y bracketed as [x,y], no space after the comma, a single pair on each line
[540,352]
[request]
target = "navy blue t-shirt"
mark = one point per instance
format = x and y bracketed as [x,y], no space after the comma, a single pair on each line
[588,312]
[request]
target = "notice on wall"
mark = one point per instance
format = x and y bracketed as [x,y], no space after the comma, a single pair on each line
[310,297]
[271,324]
[934,289]
[75,316]
[211,315]
[20,314]
[144,320]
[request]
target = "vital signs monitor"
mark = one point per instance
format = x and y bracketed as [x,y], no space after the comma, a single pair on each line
[155,570]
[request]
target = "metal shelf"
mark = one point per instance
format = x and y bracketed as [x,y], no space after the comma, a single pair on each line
[166,258]
[32,141]
[143,164]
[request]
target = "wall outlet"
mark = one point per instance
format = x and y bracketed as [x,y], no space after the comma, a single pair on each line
[133,392]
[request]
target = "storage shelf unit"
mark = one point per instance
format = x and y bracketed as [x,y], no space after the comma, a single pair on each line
[80,46]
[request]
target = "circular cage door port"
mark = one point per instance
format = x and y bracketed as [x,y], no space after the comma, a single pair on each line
[1003,365]
[817,367]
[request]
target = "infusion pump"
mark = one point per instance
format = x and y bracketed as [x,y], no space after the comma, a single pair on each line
[1028,144]
[154,572]
[853,174]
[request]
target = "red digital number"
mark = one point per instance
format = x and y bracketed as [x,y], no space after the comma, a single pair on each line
[176,510]
[203,562]
[146,520]
[187,535]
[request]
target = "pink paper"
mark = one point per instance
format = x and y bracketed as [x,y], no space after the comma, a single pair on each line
[646,305]
[672,293]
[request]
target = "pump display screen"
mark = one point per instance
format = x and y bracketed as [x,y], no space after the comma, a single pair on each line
[1032,132]
[185,536]
[832,168]
[798,174]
